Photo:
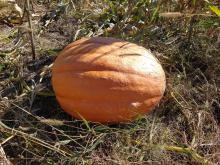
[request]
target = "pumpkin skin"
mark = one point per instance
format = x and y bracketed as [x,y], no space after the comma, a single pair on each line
[107,80]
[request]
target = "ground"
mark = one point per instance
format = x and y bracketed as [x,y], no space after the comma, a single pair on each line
[183,129]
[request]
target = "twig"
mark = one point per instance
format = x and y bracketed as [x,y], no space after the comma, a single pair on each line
[27,7]
[192,22]
[190,31]
[6,140]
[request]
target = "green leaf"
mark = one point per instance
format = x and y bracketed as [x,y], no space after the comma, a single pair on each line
[155,13]
[206,23]
[1,67]
[85,122]
[215,10]
[194,2]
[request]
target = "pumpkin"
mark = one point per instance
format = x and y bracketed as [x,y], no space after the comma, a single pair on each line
[107,80]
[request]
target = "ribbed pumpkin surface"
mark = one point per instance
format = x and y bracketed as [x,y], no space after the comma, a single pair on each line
[107,80]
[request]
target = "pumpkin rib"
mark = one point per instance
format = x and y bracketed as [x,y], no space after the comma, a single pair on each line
[123,111]
[103,98]
[86,44]
[102,41]
[96,100]
[74,53]
[89,84]
[110,70]
[93,44]
[105,101]
[92,66]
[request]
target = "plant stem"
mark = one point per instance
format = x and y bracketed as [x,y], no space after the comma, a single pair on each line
[31,31]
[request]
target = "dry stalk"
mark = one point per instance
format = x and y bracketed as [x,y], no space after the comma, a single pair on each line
[4,128]
[3,158]
[186,150]
[179,14]
[182,150]
[27,9]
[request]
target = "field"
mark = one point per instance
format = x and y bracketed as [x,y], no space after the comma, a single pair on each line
[183,129]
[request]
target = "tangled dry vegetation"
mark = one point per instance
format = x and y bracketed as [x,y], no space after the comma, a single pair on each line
[183,129]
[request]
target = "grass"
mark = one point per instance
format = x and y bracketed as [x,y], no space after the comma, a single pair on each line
[183,129]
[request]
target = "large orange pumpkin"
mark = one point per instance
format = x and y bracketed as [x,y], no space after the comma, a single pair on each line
[107,80]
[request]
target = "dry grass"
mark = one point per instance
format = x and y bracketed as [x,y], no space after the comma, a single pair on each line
[183,129]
